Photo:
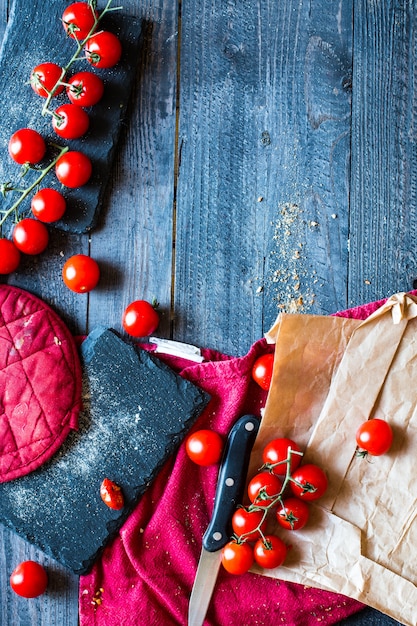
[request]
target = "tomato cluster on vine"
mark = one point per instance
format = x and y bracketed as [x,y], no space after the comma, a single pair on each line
[282,488]
[27,147]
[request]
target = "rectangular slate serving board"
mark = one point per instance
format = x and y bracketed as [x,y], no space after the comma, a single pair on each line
[35,35]
[136,412]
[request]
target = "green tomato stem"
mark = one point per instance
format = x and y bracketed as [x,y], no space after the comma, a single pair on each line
[25,192]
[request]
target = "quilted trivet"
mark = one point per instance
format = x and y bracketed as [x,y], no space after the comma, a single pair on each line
[40,382]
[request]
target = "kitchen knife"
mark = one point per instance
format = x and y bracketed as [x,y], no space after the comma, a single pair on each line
[229,492]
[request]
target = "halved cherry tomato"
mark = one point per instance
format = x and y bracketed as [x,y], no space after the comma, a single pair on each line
[85,89]
[78,20]
[27,146]
[374,436]
[70,121]
[140,319]
[73,169]
[308,482]
[103,49]
[30,236]
[262,371]
[48,205]
[246,523]
[263,487]
[81,273]
[112,494]
[276,453]
[237,558]
[44,79]
[270,552]
[293,515]
[204,447]
[29,579]
[9,256]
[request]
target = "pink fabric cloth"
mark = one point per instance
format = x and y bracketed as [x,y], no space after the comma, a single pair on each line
[145,576]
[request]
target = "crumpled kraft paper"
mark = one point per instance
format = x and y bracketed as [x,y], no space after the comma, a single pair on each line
[330,375]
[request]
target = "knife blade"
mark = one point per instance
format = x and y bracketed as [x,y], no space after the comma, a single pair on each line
[229,492]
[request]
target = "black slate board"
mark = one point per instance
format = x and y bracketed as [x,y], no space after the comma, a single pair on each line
[35,35]
[136,412]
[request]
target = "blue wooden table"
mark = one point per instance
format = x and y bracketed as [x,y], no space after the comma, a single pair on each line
[267,163]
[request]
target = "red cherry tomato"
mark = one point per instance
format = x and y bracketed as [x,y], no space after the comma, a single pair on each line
[308,482]
[237,558]
[70,121]
[48,205]
[262,371]
[44,78]
[246,523]
[204,447]
[103,49]
[81,273]
[270,552]
[78,20]
[140,319]
[276,453]
[293,515]
[112,494]
[73,169]
[27,146]
[9,257]
[30,236]
[85,89]
[263,488]
[29,579]
[374,436]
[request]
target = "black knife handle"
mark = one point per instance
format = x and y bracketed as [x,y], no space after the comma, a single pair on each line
[231,481]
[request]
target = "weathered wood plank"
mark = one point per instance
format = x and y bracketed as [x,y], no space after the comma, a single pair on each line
[383,220]
[135,235]
[264,114]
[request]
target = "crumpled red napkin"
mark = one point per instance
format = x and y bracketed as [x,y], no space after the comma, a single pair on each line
[145,576]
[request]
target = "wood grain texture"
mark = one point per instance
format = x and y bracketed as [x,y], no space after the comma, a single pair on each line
[262,206]
[383,185]
[134,238]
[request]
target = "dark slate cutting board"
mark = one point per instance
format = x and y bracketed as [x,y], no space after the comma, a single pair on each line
[35,35]
[136,412]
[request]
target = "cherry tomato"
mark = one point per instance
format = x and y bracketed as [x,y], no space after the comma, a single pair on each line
[9,256]
[293,515]
[85,89]
[48,205]
[103,49]
[237,558]
[81,273]
[73,169]
[275,455]
[70,121]
[263,487]
[262,371]
[374,436]
[308,482]
[44,78]
[30,236]
[204,447]
[270,552]
[112,494]
[29,579]
[78,20]
[246,523]
[140,319]
[27,146]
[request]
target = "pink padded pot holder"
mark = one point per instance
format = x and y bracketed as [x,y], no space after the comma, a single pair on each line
[40,382]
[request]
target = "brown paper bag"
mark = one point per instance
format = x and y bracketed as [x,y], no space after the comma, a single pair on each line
[330,375]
